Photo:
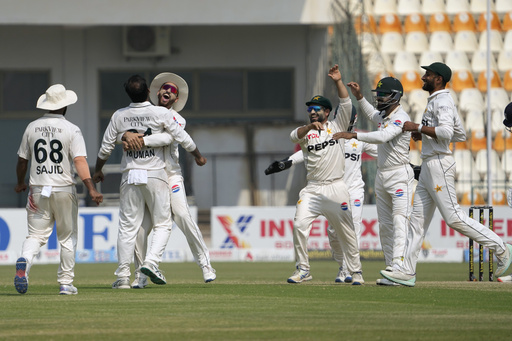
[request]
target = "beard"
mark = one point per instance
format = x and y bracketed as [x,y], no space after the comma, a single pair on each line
[319,118]
[427,86]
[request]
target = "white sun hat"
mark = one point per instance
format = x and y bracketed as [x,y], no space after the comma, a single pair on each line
[167,77]
[56,97]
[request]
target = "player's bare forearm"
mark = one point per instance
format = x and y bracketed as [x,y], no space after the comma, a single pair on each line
[344,135]
[98,174]
[200,159]
[21,171]
[96,196]
[132,141]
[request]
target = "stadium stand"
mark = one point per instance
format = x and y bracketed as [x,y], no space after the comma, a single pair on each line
[433,6]
[482,22]
[456,6]
[441,41]
[406,7]
[389,23]
[496,40]
[416,42]
[503,6]
[466,41]
[415,22]
[480,6]
[464,21]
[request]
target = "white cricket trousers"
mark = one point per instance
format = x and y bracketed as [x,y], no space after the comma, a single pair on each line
[393,192]
[183,219]
[60,208]
[133,200]
[436,188]
[356,204]
[330,199]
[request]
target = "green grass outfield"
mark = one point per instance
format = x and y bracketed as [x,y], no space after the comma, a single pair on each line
[252,301]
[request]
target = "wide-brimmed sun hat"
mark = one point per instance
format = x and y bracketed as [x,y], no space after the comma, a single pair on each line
[56,97]
[168,77]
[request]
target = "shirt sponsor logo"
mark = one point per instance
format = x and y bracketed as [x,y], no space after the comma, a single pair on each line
[357,203]
[344,206]
[175,188]
[323,145]
[398,123]
[399,192]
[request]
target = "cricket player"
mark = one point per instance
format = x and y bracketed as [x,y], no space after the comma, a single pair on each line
[51,143]
[394,178]
[326,192]
[171,91]
[440,125]
[142,179]
[354,181]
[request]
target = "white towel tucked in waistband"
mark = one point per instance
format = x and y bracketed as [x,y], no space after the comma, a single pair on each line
[137,177]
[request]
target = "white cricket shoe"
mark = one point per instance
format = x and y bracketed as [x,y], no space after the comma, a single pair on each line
[299,276]
[357,278]
[399,277]
[208,274]
[153,273]
[504,261]
[121,283]
[140,282]
[385,281]
[68,289]
[504,279]
[343,276]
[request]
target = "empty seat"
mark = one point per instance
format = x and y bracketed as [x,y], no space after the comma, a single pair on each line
[506,158]
[415,22]
[505,60]
[406,7]
[471,197]
[499,196]
[466,41]
[411,80]
[464,21]
[496,44]
[477,140]
[391,42]
[499,98]
[404,61]
[464,161]
[390,23]
[475,122]
[471,99]
[462,79]
[429,57]
[482,22]
[503,141]
[507,80]
[503,6]
[433,6]
[482,80]
[454,95]
[479,62]
[378,63]
[416,42]
[382,7]
[480,6]
[494,166]
[358,7]
[507,41]
[417,102]
[365,23]
[439,22]
[441,41]
[458,60]
[507,20]
[456,6]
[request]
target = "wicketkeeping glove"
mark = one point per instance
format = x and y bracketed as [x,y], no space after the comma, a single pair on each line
[278,166]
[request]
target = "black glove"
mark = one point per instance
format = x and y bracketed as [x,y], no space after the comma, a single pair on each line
[278,166]
[417,170]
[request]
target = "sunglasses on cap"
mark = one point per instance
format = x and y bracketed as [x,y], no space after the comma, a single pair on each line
[316,108]
[174,89]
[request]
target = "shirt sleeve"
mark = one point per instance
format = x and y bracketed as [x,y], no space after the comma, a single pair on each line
[158,140]
[370,149]
[392,130]
[294,137]
[109,140]
[178,134]
[445,117]
[459,133]
[77,147]
[24,150]
[296,158]
[369,111]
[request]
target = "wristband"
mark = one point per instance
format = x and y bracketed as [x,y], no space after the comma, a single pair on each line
[419,128]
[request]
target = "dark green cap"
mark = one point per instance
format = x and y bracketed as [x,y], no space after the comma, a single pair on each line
[441,69]
[388,84]
[320,100]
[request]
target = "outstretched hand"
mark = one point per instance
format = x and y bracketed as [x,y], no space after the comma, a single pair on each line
[356,90]
[335,73]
